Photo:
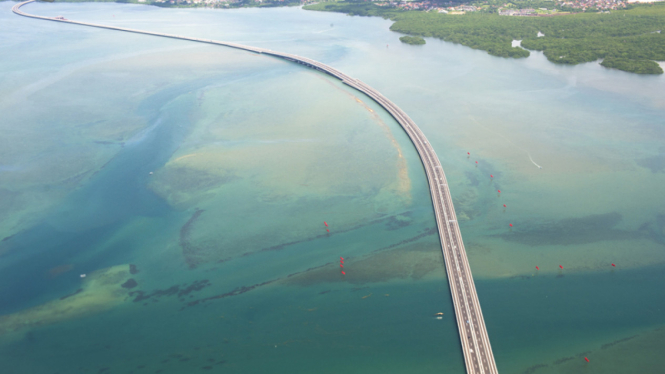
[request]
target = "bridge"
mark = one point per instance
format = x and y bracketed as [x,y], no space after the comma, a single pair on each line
[476,348]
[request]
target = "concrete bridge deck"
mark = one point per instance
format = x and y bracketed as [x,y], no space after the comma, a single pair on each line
[476,346]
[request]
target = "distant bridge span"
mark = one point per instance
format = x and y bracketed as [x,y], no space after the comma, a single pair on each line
[476,347]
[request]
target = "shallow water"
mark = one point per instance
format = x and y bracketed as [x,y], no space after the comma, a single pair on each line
[249,155]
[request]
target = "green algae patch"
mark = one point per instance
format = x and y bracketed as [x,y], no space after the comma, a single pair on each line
[184,186]
[99,291]
[411,261]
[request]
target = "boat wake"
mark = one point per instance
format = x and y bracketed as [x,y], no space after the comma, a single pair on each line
[509,141]
[532,161]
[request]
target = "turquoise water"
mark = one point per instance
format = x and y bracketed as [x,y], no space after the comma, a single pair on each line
[212,170]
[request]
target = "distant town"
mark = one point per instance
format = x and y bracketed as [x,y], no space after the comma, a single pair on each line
[450,7]
[223,3]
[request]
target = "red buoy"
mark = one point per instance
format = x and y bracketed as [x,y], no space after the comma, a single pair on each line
[504,205]
[327,230]
[491,176]
[587,360]
[341,265]
[468,153]
[537,268]
[341,258]
[561,267]
[325,223]
[343,273]
[476,162]
[499,191]
[510,224]
[613,265]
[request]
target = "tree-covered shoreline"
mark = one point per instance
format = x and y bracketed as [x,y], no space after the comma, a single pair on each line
[631,40]
[413,40]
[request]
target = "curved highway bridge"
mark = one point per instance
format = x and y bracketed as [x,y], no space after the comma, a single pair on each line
[476,347]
